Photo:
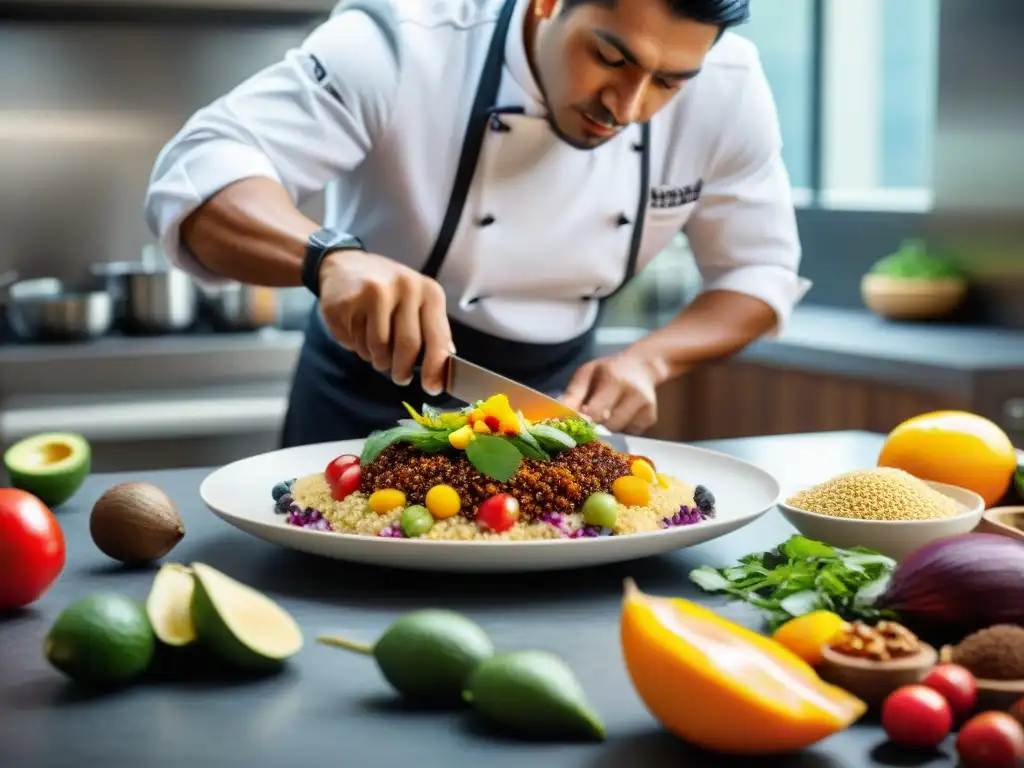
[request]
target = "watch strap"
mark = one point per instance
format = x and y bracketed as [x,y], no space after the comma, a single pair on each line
[318,246]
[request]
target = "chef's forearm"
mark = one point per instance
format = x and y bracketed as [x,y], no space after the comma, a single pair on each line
[715,325]
[251,232]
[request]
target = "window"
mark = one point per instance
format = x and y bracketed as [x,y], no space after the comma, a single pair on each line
[855,82]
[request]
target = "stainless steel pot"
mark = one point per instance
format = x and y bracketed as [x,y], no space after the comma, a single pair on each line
[42,309]
[237,307]
[149,299]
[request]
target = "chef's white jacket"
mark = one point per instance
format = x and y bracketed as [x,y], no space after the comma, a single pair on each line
[375,101]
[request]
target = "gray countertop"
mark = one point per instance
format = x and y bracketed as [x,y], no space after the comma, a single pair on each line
[935,357]
[330,708]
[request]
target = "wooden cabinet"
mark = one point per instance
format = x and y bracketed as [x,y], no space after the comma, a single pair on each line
[738,399]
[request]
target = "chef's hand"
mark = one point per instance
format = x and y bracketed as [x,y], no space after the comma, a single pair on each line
[386,313]
[619,392]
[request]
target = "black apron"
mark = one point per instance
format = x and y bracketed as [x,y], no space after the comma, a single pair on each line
[336,395]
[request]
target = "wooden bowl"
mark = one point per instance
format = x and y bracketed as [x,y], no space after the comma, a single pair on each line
[992,694]
[1005,521]
[872,681]
[912,299]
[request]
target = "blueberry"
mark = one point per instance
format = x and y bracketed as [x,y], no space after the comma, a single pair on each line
[281,489]
[704,500]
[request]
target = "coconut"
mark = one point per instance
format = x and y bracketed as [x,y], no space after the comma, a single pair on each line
[135,523]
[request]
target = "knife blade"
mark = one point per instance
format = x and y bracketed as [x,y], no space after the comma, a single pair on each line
[470,382]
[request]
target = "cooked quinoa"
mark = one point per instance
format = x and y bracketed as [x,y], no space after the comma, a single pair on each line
[560,484]
[883,493]
[353,515]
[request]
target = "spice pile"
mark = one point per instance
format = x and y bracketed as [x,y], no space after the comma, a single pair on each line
[875,494]
[484,473]
[995,653]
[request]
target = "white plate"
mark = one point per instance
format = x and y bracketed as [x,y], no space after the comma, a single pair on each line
[240,494]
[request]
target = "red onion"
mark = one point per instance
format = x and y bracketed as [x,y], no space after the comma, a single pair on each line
[974,578]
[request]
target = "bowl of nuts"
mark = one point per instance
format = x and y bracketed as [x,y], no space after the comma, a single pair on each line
[873,661]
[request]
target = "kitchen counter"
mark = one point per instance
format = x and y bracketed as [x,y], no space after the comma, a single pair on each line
[934,357]
[332,708]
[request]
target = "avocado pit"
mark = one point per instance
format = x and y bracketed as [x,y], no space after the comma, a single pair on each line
[135,523]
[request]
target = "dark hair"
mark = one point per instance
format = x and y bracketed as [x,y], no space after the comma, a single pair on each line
[720,13]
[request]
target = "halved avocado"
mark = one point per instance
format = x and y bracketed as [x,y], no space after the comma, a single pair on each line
[51,466]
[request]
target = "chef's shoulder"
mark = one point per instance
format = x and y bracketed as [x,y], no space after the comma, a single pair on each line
[389,44]
[729,109]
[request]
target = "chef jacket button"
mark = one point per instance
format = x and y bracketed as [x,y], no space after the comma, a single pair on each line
[623,220]
[486,221]
[638,147]
[498,125]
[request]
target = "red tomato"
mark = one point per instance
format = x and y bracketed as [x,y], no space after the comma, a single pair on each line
[957,686]
[916,716]
[333,472]
[498,513]
[31,549]
[348,482]
[991,740]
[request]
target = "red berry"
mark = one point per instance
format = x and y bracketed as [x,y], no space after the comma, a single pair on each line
[957,686]
[498,513]
[991,740]
[348,482]
[333,472]
[916,716]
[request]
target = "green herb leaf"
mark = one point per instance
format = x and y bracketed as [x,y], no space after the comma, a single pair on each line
[576,427]
[493,456]
[529,450]
[378,441]
[429,441]
[802,575]
[551,438]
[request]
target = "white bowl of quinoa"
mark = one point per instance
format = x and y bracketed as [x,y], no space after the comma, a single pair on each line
[884,509]
[485,473]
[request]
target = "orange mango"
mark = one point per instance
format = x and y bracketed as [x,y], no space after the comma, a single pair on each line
[723,687]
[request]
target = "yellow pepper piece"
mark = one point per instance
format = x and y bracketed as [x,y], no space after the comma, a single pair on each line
[805,635]
[632,491]
[385,500]
[481,427]
[643,470]
[442,501]
[664,480]
[509,426]
[723,687]
[461,437]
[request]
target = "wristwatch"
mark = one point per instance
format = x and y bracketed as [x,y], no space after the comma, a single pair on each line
[318,246]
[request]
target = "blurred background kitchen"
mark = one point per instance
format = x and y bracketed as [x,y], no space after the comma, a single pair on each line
[902,121]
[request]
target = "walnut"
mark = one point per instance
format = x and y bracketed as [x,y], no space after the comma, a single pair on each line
[885,641]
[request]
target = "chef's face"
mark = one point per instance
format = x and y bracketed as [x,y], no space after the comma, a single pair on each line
[604,65]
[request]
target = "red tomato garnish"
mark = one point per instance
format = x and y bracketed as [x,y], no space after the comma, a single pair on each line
[498,513]
[957,686]
[348,482]
[991,740]
[333,472]
[492,423]
[31,549]
[916,716]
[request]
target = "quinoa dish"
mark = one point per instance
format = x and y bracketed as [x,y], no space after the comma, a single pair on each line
[485,472]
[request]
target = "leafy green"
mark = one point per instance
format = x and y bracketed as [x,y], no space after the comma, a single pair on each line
[529,450]
[913,260]
[576,427]
[429,441]
[493,456]
[803,575]
[381,439]
[551,438]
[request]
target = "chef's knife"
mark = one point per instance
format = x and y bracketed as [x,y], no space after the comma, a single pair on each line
[470,382]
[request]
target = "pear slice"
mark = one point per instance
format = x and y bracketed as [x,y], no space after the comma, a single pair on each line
[169,605]
[244,627]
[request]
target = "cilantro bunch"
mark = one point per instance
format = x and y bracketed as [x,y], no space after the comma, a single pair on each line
[803,575]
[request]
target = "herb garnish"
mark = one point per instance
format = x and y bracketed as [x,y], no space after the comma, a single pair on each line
[803,575]
[498,456]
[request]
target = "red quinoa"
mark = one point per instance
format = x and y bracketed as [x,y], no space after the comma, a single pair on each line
[560,484]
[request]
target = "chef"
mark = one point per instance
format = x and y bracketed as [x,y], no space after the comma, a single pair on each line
[496,170]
